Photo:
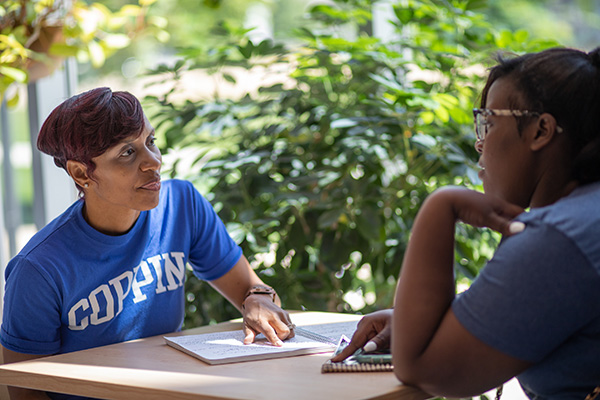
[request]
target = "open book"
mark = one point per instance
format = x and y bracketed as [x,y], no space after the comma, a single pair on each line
[229,347]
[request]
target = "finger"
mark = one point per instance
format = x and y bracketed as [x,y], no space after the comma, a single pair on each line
[347,352]
[249,335]
[379,341]
[506,226]
[285,317]
[282,323]
[512,210]
[292,331]
[370,346]
[516,227]
[360,337]
[282,330]
[267,330]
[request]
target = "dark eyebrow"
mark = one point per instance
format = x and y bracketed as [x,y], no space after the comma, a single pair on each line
[126,142]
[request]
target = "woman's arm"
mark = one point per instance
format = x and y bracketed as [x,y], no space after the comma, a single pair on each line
[262,312]
[430,348]
[17,393]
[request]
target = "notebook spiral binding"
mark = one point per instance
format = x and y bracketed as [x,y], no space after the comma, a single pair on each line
[355,367]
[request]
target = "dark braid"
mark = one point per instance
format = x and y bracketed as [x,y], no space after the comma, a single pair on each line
[595,57]
[587,161]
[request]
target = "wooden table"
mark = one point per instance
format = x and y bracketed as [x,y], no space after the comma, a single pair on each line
[148,369]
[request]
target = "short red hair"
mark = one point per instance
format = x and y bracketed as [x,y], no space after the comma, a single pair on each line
[86,125]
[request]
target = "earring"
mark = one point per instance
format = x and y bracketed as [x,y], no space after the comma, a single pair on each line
[86,185]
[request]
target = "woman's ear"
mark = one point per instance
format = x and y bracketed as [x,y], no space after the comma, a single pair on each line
[78,172]
[545,130]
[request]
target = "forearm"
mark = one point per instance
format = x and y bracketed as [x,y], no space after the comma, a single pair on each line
[236,283]
[426,286]
[430,347]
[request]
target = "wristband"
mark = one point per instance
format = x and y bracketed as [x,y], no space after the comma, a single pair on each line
[260,289]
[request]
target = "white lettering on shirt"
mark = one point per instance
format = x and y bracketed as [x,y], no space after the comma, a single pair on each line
[121,294]
[148,279]
[109,310]
[73,325]
[108,300]
[173,271]
[155,261]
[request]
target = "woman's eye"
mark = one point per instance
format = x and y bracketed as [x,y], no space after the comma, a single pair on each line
[127,153]
[151,141]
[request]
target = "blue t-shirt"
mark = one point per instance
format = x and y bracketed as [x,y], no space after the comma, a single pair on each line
[538,299]
[72,287]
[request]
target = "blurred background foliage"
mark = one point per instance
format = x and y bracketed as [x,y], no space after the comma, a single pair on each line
[316,133]
[317,136]
[571,22]
[37,35]
[319,165]
[316,129]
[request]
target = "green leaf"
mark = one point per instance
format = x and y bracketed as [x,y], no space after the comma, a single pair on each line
[246,50]
[329,218]
[521,36]
[12,101]
[96,53]
[424,140]
[116,41]
[442,113]
[369,224]
[343,123]
[229,78]
[427,116]
[18,75]
[63,50]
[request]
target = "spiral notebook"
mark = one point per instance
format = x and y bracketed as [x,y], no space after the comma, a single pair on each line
[359,362]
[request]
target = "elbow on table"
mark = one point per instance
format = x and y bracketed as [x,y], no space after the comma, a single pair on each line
[433,381]
[409,376]
[408,373]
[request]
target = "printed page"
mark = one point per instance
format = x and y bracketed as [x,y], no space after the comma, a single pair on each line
[333,331]
[227,347]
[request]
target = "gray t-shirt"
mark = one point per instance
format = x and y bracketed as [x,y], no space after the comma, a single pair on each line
[538,299]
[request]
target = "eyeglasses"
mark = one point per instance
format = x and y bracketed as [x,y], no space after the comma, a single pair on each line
[481,115]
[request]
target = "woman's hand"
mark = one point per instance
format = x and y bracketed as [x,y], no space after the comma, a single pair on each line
[262,315]
[375,327]
[480,210]
[259,304]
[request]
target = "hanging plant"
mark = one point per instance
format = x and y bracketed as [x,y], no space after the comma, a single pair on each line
[36,35]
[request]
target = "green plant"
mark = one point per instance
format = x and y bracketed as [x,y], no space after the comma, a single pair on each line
[39,32]
[319,176]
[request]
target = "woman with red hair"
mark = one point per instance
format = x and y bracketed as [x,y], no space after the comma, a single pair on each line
[111,268]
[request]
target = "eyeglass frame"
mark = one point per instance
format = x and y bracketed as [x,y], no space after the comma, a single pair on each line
[480,113]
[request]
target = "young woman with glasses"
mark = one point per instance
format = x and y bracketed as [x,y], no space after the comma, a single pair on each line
[534,310]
